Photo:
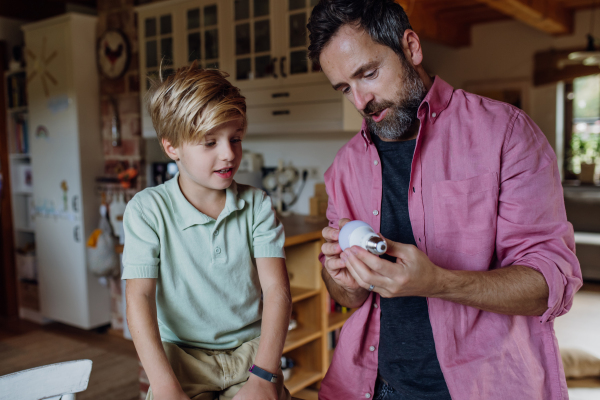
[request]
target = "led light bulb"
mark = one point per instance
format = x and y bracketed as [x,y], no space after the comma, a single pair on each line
[359,233]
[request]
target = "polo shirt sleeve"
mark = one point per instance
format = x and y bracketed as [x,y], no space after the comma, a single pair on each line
[267,232]
[532,228]
[142,245]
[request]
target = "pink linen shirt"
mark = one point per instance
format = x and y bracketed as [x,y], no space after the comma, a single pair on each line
[485,193]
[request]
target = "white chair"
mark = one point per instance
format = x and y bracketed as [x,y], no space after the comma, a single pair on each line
[50,382]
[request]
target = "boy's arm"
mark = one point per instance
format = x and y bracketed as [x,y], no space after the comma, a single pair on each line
[277,307]
[143,325]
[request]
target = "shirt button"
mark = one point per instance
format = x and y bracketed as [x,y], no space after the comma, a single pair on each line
[433,115]
[218,250]
[367,395]
[375,162]
[375,305]
[216,232]
[375,212]
[372,348]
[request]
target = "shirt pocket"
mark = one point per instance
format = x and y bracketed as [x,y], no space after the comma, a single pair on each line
[465,214]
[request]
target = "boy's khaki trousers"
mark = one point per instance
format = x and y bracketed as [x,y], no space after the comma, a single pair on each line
[214,374]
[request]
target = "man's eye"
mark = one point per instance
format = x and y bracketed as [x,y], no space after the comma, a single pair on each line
[346,90]
[371,74]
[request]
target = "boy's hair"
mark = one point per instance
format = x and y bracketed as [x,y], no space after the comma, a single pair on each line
[186,105]
[384,20]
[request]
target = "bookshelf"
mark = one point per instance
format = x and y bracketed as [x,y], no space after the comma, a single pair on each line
[21,189]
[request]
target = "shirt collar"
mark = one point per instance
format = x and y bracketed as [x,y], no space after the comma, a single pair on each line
[437,99]
[187,215]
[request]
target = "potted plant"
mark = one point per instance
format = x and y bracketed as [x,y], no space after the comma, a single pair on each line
[585,151]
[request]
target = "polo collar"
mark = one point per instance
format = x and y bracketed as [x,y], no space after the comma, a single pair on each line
[437,99]
[187,215]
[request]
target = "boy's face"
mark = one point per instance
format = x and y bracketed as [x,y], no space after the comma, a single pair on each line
[211,164]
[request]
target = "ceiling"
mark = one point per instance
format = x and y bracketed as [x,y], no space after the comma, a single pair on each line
[443,21]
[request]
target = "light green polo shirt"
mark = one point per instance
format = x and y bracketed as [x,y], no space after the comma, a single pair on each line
[208,294]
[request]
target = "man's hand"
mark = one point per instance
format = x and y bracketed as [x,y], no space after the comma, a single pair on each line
[257,389]
[413,274]
[333,264]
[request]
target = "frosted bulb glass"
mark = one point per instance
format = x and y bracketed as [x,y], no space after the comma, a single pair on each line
[359,233]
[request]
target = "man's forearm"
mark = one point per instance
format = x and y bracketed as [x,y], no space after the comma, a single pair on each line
[346,298]
[513,290]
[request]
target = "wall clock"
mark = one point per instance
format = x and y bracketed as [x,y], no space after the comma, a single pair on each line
[114,54]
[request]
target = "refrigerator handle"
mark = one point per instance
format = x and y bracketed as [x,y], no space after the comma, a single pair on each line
[76,234]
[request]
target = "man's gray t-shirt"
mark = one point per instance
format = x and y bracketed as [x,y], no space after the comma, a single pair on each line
[407,356]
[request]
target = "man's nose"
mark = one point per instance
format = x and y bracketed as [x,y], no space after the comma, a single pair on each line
[361,99]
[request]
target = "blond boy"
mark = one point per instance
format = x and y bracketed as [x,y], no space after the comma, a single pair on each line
[200,249]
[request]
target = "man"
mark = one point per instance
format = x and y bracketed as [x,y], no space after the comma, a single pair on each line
[467,192]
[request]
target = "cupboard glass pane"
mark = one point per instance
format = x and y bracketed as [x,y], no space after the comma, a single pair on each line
[150,27]
[193,18]
[242,9]
[194,46]
[243,67]
[298,30]
[296,4]
[298,62]
[261,8]
[211,44]
[242,39]
[262,36]
[151,54]
[264,67]
[314,2]
[210,15]
[165,24]
[166,47]
[212,65]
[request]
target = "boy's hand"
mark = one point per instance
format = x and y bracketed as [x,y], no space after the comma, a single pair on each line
[257,389]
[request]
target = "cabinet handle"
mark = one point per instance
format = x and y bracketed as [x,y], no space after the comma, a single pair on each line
[274,67]
[74,203]
[282,67]
[76,234]
[281,112]
[277,95]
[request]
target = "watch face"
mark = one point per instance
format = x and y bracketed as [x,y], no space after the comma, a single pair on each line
[113,54]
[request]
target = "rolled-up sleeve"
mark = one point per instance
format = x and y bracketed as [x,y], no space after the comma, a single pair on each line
[268,236]
[331,213]
[532,227]
[141,251]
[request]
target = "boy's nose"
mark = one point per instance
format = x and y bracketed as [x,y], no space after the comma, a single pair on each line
[227,153]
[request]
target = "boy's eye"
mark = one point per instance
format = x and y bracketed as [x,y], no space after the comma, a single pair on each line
[236,140]
[209,144]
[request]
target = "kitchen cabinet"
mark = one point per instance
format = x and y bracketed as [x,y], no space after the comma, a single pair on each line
[262,44]
[66,157]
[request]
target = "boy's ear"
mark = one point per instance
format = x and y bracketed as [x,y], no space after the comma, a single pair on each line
[170,150]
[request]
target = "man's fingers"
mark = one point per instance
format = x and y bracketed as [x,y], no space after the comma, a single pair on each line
[331,248]
[363,271]
[343,222]
[334,263]
[396,249]
[330,234]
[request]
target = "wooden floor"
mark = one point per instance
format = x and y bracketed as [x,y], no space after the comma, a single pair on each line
[114,375]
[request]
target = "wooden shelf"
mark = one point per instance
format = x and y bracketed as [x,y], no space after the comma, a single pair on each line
[299,337]
[301,293]
[301,379]
[336,320]
[18,156]
[17,109]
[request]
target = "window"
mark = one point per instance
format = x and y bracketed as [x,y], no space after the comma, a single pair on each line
[583,126]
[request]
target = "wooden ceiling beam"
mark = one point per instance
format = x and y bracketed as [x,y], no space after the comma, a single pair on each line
[430,26]
[545,15]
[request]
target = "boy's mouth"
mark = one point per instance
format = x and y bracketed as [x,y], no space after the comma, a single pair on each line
[225,173]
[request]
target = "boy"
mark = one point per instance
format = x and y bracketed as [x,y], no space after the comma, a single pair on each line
[198,251]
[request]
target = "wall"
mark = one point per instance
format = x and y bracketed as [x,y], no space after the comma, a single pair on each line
[10,31]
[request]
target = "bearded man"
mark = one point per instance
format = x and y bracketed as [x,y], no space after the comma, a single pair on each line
[467,192]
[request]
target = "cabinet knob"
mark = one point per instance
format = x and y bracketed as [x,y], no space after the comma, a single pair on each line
[277,95]
[75,203]
[76,235]
[273,67]
[281,112]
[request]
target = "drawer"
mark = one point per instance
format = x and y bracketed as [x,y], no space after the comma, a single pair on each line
[291,95]
[296,118]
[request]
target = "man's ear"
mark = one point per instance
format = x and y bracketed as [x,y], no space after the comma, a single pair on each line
[170,150]
[412,47]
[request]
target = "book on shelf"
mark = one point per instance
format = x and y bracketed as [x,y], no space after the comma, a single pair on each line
[21,140]
[16,93]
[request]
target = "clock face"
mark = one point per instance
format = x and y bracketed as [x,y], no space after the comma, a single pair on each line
[113,54]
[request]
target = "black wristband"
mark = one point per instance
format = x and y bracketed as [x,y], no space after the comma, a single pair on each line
[261,373]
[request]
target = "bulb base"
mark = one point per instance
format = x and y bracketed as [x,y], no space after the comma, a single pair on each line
[376,245]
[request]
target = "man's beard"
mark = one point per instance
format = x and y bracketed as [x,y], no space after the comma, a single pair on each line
[402,114]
